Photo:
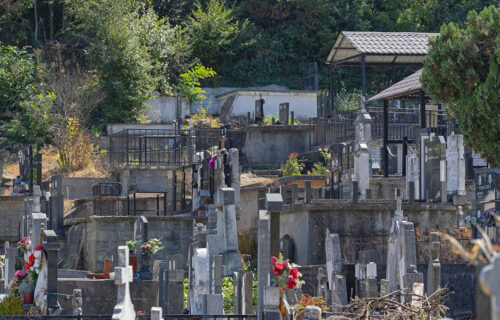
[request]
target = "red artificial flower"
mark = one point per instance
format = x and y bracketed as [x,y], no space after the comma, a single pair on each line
[292,284]
[276,271]
[289,154]
[274,260]
[27,266]
[294,273]
[285,264]
[280,266]
[38,248]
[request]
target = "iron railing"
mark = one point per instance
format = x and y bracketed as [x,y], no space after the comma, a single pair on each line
[160,146]
[139,316]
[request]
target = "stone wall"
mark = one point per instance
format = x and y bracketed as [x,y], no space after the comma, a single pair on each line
[360,226]
[11,214]
[99,296]
[384,188]
[268,146]
[78,188]
[102,235]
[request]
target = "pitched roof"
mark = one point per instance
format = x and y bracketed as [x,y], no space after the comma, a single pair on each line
[380,47]
[406,86]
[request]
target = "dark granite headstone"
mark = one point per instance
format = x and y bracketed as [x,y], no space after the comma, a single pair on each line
[287,248]
[434,152]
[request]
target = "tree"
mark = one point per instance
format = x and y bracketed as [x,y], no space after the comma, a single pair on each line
[462,69]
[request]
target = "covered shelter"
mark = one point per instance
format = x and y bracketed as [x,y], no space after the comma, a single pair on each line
[377,49]
[409,87]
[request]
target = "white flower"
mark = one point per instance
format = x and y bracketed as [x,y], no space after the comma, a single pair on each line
[37,271]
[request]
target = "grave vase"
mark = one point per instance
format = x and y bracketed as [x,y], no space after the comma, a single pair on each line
[28,297]
[132,260]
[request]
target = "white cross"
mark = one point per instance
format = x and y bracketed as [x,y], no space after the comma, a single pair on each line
[490,283]
[124,309]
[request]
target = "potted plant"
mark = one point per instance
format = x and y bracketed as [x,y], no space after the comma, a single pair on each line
[132,258]
[26,290]
[292,172]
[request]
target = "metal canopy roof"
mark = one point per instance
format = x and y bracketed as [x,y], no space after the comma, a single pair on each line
[408,85]
[380,48]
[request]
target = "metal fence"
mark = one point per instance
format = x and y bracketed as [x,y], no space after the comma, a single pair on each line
[402,123]
[160,146]
[141,317]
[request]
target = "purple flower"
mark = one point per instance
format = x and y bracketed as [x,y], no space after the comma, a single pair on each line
[211,164]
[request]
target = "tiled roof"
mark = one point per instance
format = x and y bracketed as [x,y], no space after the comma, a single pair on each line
[397,47]
[408,85]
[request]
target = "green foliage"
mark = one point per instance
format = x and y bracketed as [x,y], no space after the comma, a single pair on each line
[213,30]
[462,69]
[190,86]
[12,305]
[345,100]
[228,293]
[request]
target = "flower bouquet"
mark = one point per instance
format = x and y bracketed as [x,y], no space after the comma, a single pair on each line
[286,274]
[151,247]
[33,265]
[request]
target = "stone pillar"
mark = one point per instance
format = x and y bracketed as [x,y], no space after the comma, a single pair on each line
[274,204]
[334,268]
[271,309]
[10,264]
[366,274]
[455,164]
[52,247]
[234,163]
[56,209]
[434,268]
[295,194]
[226,230]
[412,174]
[156,313]
[362,168]
[284,110]
[124,309]
[307,192]
[243,299]
[263,259]
[173,302]
[201,266]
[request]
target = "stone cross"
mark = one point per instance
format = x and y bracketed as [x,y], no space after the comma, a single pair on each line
[124,309]
[490,283]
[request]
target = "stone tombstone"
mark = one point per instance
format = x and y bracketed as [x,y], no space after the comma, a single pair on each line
[412,173]
[263,258]
[200,289]
[216,274]
[259,110]
[312,313]
[170,285]
[434,267]
[234,164]
[10,264]
[226,230]
[39,220]
[362,168]
[124,309]
[243,299]
[284,111]
[141,236]
[410,278]
[52,248]
[455,164]
[333,256]
[287,248]
[271,304]
[434,152]
[156,313]
[490,284]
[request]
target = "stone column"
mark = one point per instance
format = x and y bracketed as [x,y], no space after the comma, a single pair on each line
[201,266]
[434,268]
[412,174]
[274,204]
[243,299]
[362,168]
[39,220]
[234,163]
[10,264]
[455,164]
[271,301]
[334,269]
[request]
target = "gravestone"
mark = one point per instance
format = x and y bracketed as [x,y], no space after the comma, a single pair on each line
[259,111]
[170,285]
[10,264]
[243,298]
[124,309]
[295,193]
[287,248]
[271,303]
[234,164]
[490,283]
[201,266]
[308,192]
[366,274]
[434,268]
[284,111]
[412,173]
[39,220]
[263,259]
[410,279]
[434,152]
[56,206]
[226,230]
[334,268]
[141,237]
[312,313]
[156,313]
[362,168]
[52,247]
[455,164]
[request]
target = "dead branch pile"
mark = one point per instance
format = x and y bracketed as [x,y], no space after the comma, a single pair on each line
[388,307]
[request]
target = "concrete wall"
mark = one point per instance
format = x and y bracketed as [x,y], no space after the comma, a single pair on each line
[78,188]
[360,226]
[384,188]
[99,296]
[164,109]
[270,145]
[102,235]
[302,103]
[142,179]
[11,214]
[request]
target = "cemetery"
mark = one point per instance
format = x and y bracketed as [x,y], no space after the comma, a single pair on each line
[380,212]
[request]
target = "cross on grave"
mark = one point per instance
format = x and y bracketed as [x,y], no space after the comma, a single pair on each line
[124,309]
[490,283]
[141,236]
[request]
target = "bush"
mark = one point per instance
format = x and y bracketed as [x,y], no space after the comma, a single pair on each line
[292,166]
[12,306]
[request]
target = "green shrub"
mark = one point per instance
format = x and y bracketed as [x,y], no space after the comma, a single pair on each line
[11,306]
